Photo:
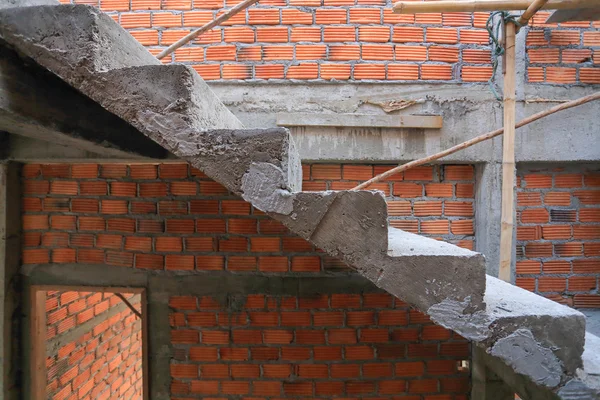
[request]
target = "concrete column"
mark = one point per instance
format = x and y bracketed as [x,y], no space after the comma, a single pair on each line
[488,189]
[485,384]
[10,256]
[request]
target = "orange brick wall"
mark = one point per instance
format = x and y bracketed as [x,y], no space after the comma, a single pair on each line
[143,216]
[329,346]
[563,53]
[558,233]
[103,361]
[345,40]
[171,217]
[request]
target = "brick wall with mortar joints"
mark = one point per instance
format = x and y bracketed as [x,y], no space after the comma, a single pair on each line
[347,40]
[67,310]
[313,40]
[174,218]
[369,346]
[565,53]
[104,361]
[558,233]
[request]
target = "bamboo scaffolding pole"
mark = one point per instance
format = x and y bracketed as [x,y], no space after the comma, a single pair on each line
[508,153]
[215,22]
[478,139]
[531,10]
[414,7]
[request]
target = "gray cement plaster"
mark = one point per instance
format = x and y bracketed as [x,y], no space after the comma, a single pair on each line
[488,202]
[467,111]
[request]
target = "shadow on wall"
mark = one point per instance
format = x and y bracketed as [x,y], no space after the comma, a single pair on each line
[88,344]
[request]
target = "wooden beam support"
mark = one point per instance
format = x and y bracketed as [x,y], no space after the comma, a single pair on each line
[360,120]
[508,155]
[414,7]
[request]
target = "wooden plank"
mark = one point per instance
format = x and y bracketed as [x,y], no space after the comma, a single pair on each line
[508,157]
[38,342]
[414,7]
[360,120]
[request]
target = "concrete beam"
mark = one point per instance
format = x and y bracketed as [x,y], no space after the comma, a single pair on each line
[38,105]
[10,255]
[28,150]
[467,110]
[488,190]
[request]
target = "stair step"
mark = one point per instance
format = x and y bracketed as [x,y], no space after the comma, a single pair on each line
[351,225]
[421,271]
[72,41]
[170,104]
[430,271]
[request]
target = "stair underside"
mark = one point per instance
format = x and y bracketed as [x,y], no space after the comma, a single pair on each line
[173,106]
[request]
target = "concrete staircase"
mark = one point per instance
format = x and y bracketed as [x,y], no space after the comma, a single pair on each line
[538,340]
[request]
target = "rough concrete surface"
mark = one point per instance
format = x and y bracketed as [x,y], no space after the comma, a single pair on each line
[526,356]
[510,308]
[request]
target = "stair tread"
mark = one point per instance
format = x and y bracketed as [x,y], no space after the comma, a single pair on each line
[402,243]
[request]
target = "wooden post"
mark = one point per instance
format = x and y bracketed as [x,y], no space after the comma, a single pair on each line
[508,155]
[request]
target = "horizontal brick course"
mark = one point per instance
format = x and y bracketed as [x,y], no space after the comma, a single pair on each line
[349,355]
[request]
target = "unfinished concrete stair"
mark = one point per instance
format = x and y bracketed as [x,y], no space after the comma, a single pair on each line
[540,340]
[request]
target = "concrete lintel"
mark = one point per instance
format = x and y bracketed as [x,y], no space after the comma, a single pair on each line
[360,120]
[213,283]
